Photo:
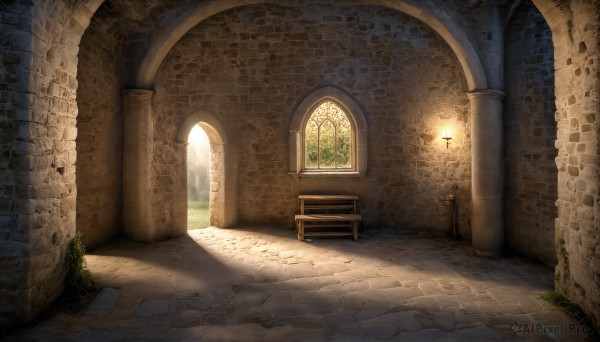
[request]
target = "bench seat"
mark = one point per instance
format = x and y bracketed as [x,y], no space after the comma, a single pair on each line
[308,221]
[328,217]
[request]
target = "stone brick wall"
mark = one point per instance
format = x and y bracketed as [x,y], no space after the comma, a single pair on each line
[40,56]
[251,66]
[14,252]
[529,135]
[99,140]
[578,106]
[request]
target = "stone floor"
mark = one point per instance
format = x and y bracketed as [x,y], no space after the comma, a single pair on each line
[264,285]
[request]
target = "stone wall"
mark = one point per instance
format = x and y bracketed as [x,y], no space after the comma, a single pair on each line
[577,49]
[99,140]
[251,66]
[41,111]
[529,135]
[15,250]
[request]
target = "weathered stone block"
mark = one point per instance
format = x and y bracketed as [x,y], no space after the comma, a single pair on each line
[573,171]
[574,137]
[588,200]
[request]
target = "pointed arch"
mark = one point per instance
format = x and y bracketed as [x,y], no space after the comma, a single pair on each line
[209,123]
[223,198]
[303,113]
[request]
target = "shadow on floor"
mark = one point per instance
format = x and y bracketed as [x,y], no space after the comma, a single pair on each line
[261,284]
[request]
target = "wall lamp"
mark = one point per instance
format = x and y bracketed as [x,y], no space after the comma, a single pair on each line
[447,135]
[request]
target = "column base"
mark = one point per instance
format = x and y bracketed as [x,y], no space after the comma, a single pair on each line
[486,253]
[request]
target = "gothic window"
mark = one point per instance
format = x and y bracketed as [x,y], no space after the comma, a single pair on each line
[328,138]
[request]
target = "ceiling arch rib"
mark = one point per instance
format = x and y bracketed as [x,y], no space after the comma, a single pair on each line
[440,22]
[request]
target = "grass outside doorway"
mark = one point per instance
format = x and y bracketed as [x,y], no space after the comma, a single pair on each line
[198,214]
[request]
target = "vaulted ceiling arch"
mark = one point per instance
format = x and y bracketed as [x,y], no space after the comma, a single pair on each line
[171,32]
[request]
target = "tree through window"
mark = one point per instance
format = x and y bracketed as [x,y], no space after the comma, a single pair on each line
[328,138]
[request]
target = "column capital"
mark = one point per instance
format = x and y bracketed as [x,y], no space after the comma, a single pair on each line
[486,93]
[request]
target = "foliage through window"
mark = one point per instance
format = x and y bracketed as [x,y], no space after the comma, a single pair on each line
[328,138]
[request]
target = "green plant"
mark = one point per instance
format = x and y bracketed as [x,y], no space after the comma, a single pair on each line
[198,214]
[570,309]
[80,288]
[564,255]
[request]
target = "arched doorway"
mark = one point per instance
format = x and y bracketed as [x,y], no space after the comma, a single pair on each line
[198,179]
[222,211]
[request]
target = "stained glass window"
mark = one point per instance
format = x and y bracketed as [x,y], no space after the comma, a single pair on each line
[328,138]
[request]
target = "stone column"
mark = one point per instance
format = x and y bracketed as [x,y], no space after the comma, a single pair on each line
[487,222]
[137,158]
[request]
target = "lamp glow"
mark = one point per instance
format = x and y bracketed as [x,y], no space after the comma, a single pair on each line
[447,135]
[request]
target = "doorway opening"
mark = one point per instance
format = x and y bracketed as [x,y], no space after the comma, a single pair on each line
[209,144]
[198,179]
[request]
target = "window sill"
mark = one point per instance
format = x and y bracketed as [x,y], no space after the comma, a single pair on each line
[327,174]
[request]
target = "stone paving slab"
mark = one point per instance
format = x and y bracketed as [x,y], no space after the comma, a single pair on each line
[261,284]
[104,302]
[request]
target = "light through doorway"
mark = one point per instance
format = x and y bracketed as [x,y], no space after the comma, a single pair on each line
[198,179]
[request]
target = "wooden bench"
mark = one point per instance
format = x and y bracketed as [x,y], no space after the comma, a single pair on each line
[328,215]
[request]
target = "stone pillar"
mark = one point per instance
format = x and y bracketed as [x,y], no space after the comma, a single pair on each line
[137,158]
[487,223]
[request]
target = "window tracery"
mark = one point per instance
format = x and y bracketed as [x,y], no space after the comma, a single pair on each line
[328,138]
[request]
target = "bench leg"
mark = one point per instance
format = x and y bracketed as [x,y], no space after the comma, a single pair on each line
[355,230]
[301,230]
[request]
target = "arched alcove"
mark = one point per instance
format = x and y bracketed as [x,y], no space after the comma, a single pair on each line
[259,112]
[529,134]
